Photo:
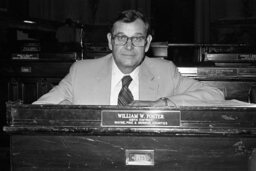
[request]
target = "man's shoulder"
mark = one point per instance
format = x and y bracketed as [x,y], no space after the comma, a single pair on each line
[160,67]
[158,62]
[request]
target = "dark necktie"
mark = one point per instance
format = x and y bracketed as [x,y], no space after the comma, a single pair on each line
[125,95]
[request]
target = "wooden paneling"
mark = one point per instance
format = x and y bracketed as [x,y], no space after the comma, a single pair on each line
[70,137]
[108,152]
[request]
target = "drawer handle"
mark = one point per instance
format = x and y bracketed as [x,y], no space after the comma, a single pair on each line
[139,157]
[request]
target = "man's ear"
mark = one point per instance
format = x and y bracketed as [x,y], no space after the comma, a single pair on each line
[149,39]
[109,41]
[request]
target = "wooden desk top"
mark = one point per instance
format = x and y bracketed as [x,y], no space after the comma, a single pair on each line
[69,119]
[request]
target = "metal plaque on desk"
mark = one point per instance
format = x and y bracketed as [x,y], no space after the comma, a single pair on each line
[139,157]
[140,118]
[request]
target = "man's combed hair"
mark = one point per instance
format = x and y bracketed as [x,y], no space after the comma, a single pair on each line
[130,16]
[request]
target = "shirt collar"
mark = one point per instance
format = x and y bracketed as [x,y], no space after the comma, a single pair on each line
[117,75]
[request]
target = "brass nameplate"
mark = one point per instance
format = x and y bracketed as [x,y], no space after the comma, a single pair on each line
[139,157]
[140,118]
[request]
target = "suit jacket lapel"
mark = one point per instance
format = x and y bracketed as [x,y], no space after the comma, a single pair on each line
[103,81]
[148,85]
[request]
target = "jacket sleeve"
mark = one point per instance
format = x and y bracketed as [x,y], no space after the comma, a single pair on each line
[188,92]
[62,93]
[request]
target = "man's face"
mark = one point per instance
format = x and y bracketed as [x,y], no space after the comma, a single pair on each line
[127,57]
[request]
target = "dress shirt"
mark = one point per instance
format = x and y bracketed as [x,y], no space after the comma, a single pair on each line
[116,83]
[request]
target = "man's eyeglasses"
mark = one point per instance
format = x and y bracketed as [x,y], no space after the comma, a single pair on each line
[122,40]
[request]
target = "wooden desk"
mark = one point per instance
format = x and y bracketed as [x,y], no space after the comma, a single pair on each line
[82,138]
[235,82]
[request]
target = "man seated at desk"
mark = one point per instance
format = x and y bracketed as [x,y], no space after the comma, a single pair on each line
[127,76]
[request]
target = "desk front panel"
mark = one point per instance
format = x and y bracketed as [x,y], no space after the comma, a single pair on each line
[109,152]
[72,137]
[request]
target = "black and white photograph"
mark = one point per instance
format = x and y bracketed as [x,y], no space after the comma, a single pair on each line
[128,85]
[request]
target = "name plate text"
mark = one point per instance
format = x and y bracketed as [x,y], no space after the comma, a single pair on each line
[140,118]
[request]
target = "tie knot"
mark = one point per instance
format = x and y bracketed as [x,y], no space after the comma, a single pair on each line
[126,80]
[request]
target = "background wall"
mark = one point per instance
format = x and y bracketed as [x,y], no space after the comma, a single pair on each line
[232,21]
[85,11]
[195,21]
[173,21]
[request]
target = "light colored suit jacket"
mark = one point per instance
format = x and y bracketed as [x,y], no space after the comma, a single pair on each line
[89,83]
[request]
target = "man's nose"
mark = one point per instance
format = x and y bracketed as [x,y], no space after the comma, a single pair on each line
[129,44]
